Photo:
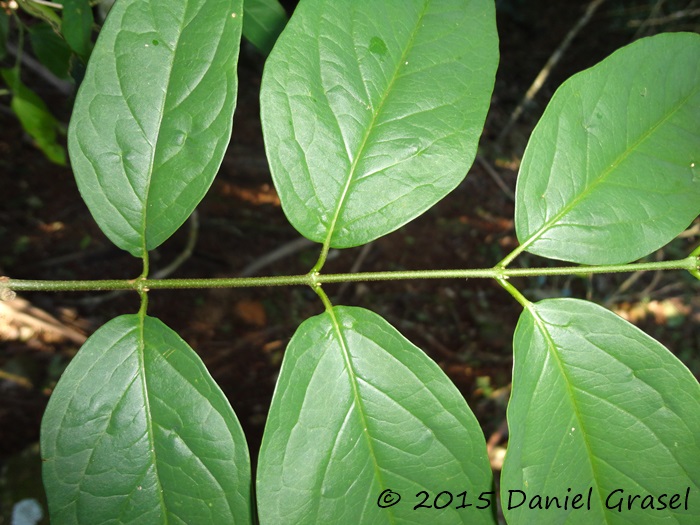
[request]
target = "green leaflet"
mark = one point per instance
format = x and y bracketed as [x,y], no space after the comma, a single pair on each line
[45,13]
[138,432]
[77,26]
[50,49]
[153,116]
[612,170]
[372,111]
[35,117]
[358,410]
[598,405]
[263,22]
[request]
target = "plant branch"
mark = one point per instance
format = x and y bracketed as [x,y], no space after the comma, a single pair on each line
[16,379]
[36,67]
[696,271]
[355,268]
[491,171]
[313,279]
[285,250]
[52,5]
[186,252]
[512,255]
[547,69]
[324,298]
[512,290]
[642,26]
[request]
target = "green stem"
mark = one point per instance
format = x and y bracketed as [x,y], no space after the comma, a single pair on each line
[324,298]
[512,290]
[512,255]
[144,260]
[696,253]
[313,279]
[143,294]
[322,258]
[142,287]
[134,284]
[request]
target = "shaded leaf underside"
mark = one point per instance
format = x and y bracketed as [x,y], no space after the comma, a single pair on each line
[380,415]
[611,172]
[137,431]
[372,116]
[597,404]
[153,115]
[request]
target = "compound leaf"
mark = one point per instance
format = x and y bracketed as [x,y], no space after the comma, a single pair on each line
[35,117]
[153,116]
[263,22]
[372,111]
[359,411]
[598,405]
[612,170]
[137,431]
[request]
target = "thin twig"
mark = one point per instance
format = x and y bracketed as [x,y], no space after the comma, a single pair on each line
[652,285]
[432,342]
[672,287]
[186,252]
[356,266]
[547,69]
[275,255]
[160,274]
[14,378]
[496,177]
[52,5]
[673,17]
[652,14]
[64,87]
[619,293]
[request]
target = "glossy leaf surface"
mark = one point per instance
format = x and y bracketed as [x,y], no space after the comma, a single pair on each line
[263,22]
[372,115]
[77,25]
[138,432]
[35,117]
[359,410]
[153,116]
[612,170]
[598,405]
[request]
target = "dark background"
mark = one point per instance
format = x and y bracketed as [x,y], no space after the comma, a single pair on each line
[46,232]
